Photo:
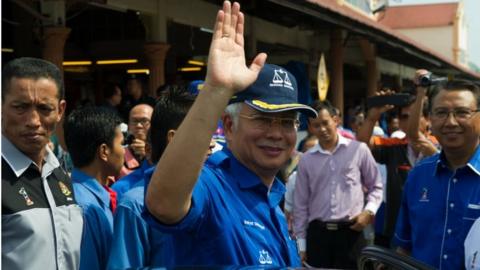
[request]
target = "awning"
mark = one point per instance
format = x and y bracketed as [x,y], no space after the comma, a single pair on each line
[392,44]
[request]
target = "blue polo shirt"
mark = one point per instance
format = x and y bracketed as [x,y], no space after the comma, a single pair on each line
[233,220]
[135,244]
[98,221]
[438,208]
[127,182]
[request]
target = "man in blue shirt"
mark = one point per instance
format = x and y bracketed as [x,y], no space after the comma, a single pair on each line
[94,141]
[441,198]
[124,184]
[227,212]
[135,244]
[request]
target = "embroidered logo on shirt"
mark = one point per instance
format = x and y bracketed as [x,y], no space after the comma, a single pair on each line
[25,196]
[424,197]
[264,257]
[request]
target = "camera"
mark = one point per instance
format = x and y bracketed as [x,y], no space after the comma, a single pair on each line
[428,80]
[127,138]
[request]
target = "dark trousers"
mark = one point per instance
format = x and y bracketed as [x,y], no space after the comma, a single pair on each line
[333,246]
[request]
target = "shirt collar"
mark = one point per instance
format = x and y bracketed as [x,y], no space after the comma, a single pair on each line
[473,163]
[19,162]
[91,184]
[341,141]
[245,178]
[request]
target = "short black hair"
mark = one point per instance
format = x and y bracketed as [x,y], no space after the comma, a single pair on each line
[168,114]
[110,90]
[455,85]
[318,106]
[86,129]
[31,68]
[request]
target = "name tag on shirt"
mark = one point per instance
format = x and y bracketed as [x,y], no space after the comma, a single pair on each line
[253,224]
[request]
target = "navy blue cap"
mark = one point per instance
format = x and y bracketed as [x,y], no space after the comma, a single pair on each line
[275,90]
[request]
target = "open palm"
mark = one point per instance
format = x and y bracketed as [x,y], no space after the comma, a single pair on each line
[227,67]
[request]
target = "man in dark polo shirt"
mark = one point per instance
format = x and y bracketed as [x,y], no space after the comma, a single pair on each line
[41,222]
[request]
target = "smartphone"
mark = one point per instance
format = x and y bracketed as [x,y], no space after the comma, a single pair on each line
[398,100]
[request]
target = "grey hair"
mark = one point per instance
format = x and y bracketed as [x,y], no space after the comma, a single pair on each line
[233,110]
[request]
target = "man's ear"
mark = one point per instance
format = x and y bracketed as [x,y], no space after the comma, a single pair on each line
[61,109]
[103,152]
[227,125]
[170,134]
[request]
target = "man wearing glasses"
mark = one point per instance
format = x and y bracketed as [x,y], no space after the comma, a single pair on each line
[138,126]
[227,212]
[441,197]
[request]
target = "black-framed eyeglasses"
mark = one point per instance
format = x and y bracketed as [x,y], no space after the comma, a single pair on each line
[460,114]
[263,122]
[142,121]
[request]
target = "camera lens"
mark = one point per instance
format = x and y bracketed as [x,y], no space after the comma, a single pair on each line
[425,80]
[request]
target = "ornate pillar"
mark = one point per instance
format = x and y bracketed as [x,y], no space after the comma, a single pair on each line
[336,59]
[54,39]
[156,53]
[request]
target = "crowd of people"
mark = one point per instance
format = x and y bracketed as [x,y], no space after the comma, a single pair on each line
[86,191]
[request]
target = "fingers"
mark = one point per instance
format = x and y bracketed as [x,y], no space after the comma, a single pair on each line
[258,62]
[230,23]
[356,227]
[234,20]
[239,39]
[384,92]
[217,31]
[226,27]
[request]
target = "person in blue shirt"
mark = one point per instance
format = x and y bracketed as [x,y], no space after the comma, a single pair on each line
[124,184]
[135,243]
[441,198]
[94,141]
[227,212]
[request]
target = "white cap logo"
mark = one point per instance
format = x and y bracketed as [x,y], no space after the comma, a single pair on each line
[281,79]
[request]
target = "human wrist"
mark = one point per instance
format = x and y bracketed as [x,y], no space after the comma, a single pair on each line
[218,89]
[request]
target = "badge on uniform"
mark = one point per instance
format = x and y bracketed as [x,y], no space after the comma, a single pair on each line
[25,196]
[65,190]
[424,197]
